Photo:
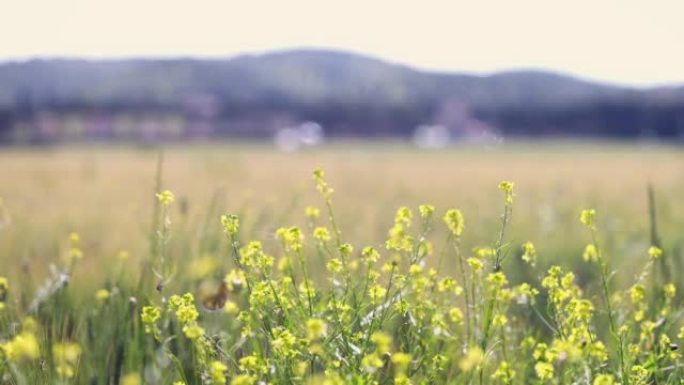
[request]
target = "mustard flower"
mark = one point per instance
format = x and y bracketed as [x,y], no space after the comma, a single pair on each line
[243,379]
[321,185]
[426,211]
[334,265]
[654,252]
[403,216]
[382,341]
[529,253]
[638,375]
[544,370]
[499,320]
[507,188]
[456,315]
[283,343]
[321,234]
[312,212]
[473,359]
[377,294]
[316,328]
[504,373]
[193,331]
[497,280]
[637,293]
[150,315]
[415,269]
[102,295]
[218,371]
[230,224]
[588,218]
[670,290]
[346,249]
[454,221]
[165,197]
[372,362]
[590,253]
[401,360]
[370,255]
[66,357]
[604,379]
[23,347]
[475,264]
[131,379]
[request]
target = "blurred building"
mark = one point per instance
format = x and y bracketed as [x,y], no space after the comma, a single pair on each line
[306,134]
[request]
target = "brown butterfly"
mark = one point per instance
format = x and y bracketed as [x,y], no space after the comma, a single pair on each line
[214,301]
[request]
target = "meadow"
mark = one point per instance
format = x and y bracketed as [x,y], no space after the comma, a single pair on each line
[229,263]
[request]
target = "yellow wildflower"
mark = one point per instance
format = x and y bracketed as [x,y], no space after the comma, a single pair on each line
[316,328]
[472,360]
[401,360]
[312,212]
[544,370]
[66,357]
[604,379]
[321,234]
[454,220]
[371,363]
[218,373]
[131,379]
[590,253]
[377,294]
[382,341]
[102,295]
[529,253]
[475,264]
[588,218]
[426,211]
[242,379]
[504,373]
[507,188]
[230,224]
[654,252]
[165,197]
[23,347]
[670,290]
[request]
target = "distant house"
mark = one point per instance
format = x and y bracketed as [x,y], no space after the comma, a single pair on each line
[454,122]
[306,134]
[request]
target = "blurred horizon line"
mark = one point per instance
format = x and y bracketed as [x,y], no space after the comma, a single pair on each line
[227,57]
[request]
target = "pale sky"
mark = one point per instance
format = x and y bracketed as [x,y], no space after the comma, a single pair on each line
[637,42]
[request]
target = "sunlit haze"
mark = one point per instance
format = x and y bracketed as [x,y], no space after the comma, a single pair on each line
[630,42]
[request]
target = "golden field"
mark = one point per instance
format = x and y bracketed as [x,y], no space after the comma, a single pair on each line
[444,298]
[107,193]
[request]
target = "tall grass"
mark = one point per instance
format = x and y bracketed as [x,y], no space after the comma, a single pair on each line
[308,304]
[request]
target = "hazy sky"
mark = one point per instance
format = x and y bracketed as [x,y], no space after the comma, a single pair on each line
[635,42]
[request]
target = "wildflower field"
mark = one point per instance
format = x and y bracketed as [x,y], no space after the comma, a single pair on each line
[348,264]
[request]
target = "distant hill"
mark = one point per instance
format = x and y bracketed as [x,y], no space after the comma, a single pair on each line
[349,94]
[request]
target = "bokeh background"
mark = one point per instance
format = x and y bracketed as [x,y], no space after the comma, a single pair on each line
[232,105]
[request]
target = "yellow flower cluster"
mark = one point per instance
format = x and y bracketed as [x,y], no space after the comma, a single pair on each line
[149,316]
[186,314]
[24,346]
[165,198]
[230,223]
[424,311]
[507,188]
[66,356]
[454,220]
[398,237]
